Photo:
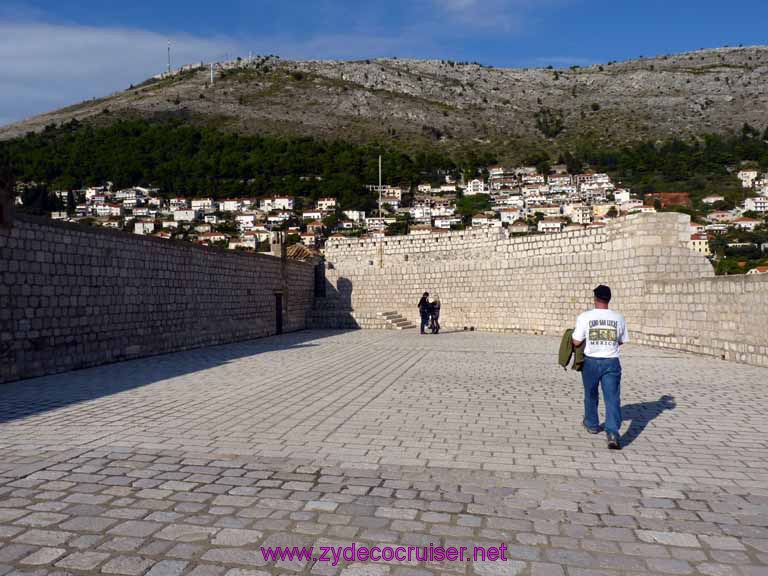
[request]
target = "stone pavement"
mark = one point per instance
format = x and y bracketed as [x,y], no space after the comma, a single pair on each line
[186,464]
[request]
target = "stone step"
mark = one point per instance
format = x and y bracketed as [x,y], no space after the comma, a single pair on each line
[396,321]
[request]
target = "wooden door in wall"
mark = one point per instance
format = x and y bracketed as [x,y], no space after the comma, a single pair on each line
[278,313]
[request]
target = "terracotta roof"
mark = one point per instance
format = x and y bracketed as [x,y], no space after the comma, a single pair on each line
[300,252]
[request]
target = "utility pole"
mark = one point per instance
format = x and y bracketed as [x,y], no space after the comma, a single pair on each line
[380,214]
[169,57]
[211,73]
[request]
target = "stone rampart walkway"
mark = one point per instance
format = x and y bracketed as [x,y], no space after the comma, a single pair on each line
[189,463]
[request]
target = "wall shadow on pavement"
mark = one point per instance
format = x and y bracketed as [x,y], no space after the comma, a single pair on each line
[24,398]
[642,414]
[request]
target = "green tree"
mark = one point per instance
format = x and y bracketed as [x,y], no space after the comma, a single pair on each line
[549,122]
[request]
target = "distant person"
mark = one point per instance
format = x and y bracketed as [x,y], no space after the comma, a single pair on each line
[424,311]
[435,314]
[603,331]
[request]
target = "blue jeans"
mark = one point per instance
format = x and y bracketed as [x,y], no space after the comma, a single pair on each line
[605,372]
[424,320]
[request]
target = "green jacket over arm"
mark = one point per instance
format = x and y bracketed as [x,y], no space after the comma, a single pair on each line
[567,352]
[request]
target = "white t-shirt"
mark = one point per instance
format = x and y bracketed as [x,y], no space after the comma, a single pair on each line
[603,331]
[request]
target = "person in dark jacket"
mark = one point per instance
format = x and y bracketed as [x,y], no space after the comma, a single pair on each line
[424,311]
[435,314]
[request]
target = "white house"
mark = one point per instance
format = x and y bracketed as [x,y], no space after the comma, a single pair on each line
[721,216]
[443,209]
[177,203]
[279,217]
[533,179]
[245,221]
[425,188]
[355,215]
[211,237]
[315,227]
[509,215]
[519,227]
[549,210]
[143,228]
[550,225]
[277,203]
[312,215]
[379,223]
[309,239]
[717,228]
[757,204]
[126,194]
[391,201]
[579,213]
[560,180]
[445,222]
[184,215]
[746,223]
[201,204]
[229,205]
[535,190]
[258,234]
[747,178]
[421,213]
[630,205]
[475,187]
[621,195]
[326,204]
[712,199]
[102,210]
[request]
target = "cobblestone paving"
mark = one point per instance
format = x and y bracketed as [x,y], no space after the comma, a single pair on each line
[187,464]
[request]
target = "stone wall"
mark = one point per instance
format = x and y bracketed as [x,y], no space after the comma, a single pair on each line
[725,316]
[72,297]
[538,284]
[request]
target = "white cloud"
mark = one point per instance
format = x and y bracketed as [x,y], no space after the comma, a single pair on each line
[50,65]
[46,66]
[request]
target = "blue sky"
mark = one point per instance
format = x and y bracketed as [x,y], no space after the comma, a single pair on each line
[58,52]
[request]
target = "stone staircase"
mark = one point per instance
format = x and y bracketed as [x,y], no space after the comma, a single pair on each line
[395,321]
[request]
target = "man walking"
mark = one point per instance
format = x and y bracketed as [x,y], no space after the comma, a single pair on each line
[603,331]
[424,311]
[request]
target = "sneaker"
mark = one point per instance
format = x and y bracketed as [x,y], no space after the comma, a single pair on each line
[590,429]
[613,441]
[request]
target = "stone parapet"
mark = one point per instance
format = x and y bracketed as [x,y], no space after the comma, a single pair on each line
[538,284]
[72,296]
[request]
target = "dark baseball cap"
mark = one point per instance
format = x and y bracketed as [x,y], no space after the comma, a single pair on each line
[603,293]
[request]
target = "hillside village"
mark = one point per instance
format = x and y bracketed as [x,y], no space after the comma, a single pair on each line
[521,199]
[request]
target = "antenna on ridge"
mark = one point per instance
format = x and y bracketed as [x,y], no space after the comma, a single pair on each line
[169,56]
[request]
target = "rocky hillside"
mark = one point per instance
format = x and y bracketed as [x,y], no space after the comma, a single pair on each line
[416,102]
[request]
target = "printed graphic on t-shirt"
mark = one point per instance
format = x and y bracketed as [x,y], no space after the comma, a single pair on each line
[603,332]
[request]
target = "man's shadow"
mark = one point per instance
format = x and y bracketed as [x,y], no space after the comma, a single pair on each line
[641,415]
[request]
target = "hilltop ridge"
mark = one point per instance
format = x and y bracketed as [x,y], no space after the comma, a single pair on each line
[451,104]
